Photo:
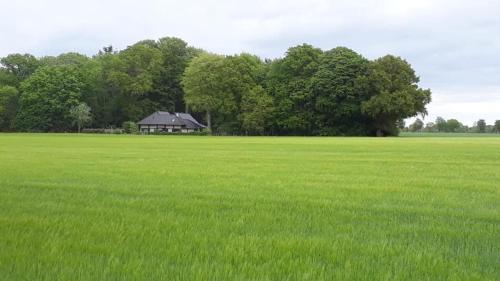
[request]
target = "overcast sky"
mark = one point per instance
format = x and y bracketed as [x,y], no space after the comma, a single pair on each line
[454,45]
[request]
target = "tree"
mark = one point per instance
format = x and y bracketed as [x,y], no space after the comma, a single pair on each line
[256,111]
[204,87]
[430,127]
[497,126]
[453,125]
[338,100]
[128,78]
[47,97]
[393,87]
[481,126]
[417,125]
[81,115]
[9,97]
[19,67]
[88,72]
[441,124]
[289,82]
[176,55]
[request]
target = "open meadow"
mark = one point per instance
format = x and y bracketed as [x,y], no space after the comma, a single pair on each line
[113,207]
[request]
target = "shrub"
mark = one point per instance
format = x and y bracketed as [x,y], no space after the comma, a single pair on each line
[130,127]
[102,131]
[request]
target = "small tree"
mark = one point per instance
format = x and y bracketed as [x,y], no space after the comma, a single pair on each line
[497,127]
[481,126]
[130,127]
[441,124]
[417,126]
[453,125]
[81,115]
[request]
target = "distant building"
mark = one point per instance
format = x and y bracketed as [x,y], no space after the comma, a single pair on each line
[162,121]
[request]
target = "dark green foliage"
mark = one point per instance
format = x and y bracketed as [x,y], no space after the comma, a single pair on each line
[176,55]
[307,92]
[453,126]
[256,111]
[289,82]
[130,127]
[47,97]
[481,126]
[15,68]
[392,85]
[337,95]
[441,124]
[9,98]
[496,127]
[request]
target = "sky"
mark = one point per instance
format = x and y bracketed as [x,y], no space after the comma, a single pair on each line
[454,45]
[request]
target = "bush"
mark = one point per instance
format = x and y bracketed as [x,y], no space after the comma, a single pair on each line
[130,127]
[102,131]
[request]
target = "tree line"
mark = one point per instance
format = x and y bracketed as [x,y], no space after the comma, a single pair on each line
[307,92]
[453,126]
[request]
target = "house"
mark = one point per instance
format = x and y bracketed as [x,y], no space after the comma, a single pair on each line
[162,121]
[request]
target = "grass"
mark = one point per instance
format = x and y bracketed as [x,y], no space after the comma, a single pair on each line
[95,207]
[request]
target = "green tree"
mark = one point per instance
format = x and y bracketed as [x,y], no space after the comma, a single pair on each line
[88,72]
[47,97]
[417,126]
[9,97]
[81,115]
[337,98]
[453,126]
[441,125]
[430,127]
[481,126]
[242,74]
[128,78]
[497,126]
[205,86]
[289,81]
[176,55]
[257,110]
[393,87]
[16,68]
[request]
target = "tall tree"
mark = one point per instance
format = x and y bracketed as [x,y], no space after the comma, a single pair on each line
[47,96]
[289,82]
[205,86]
[441,124]
[337,97]
[257,109]
[129,77]
[17,68]
[9,97]
[453,126]
[497,126]
[393,86]
[176,55]
[481,126]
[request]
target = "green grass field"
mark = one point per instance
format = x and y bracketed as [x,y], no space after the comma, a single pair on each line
[105,207]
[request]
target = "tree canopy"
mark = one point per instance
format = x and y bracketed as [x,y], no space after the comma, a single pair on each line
[307,92]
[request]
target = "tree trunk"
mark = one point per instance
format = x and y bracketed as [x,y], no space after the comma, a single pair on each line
[209,121]
[78,127]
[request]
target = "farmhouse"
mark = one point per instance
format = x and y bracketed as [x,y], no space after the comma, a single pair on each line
[162,121]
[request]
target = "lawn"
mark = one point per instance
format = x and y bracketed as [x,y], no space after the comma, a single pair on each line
[109,207]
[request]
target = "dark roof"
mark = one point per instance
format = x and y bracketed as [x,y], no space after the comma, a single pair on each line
[166,118]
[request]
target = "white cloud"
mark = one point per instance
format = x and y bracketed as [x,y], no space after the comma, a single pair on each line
[453,45]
